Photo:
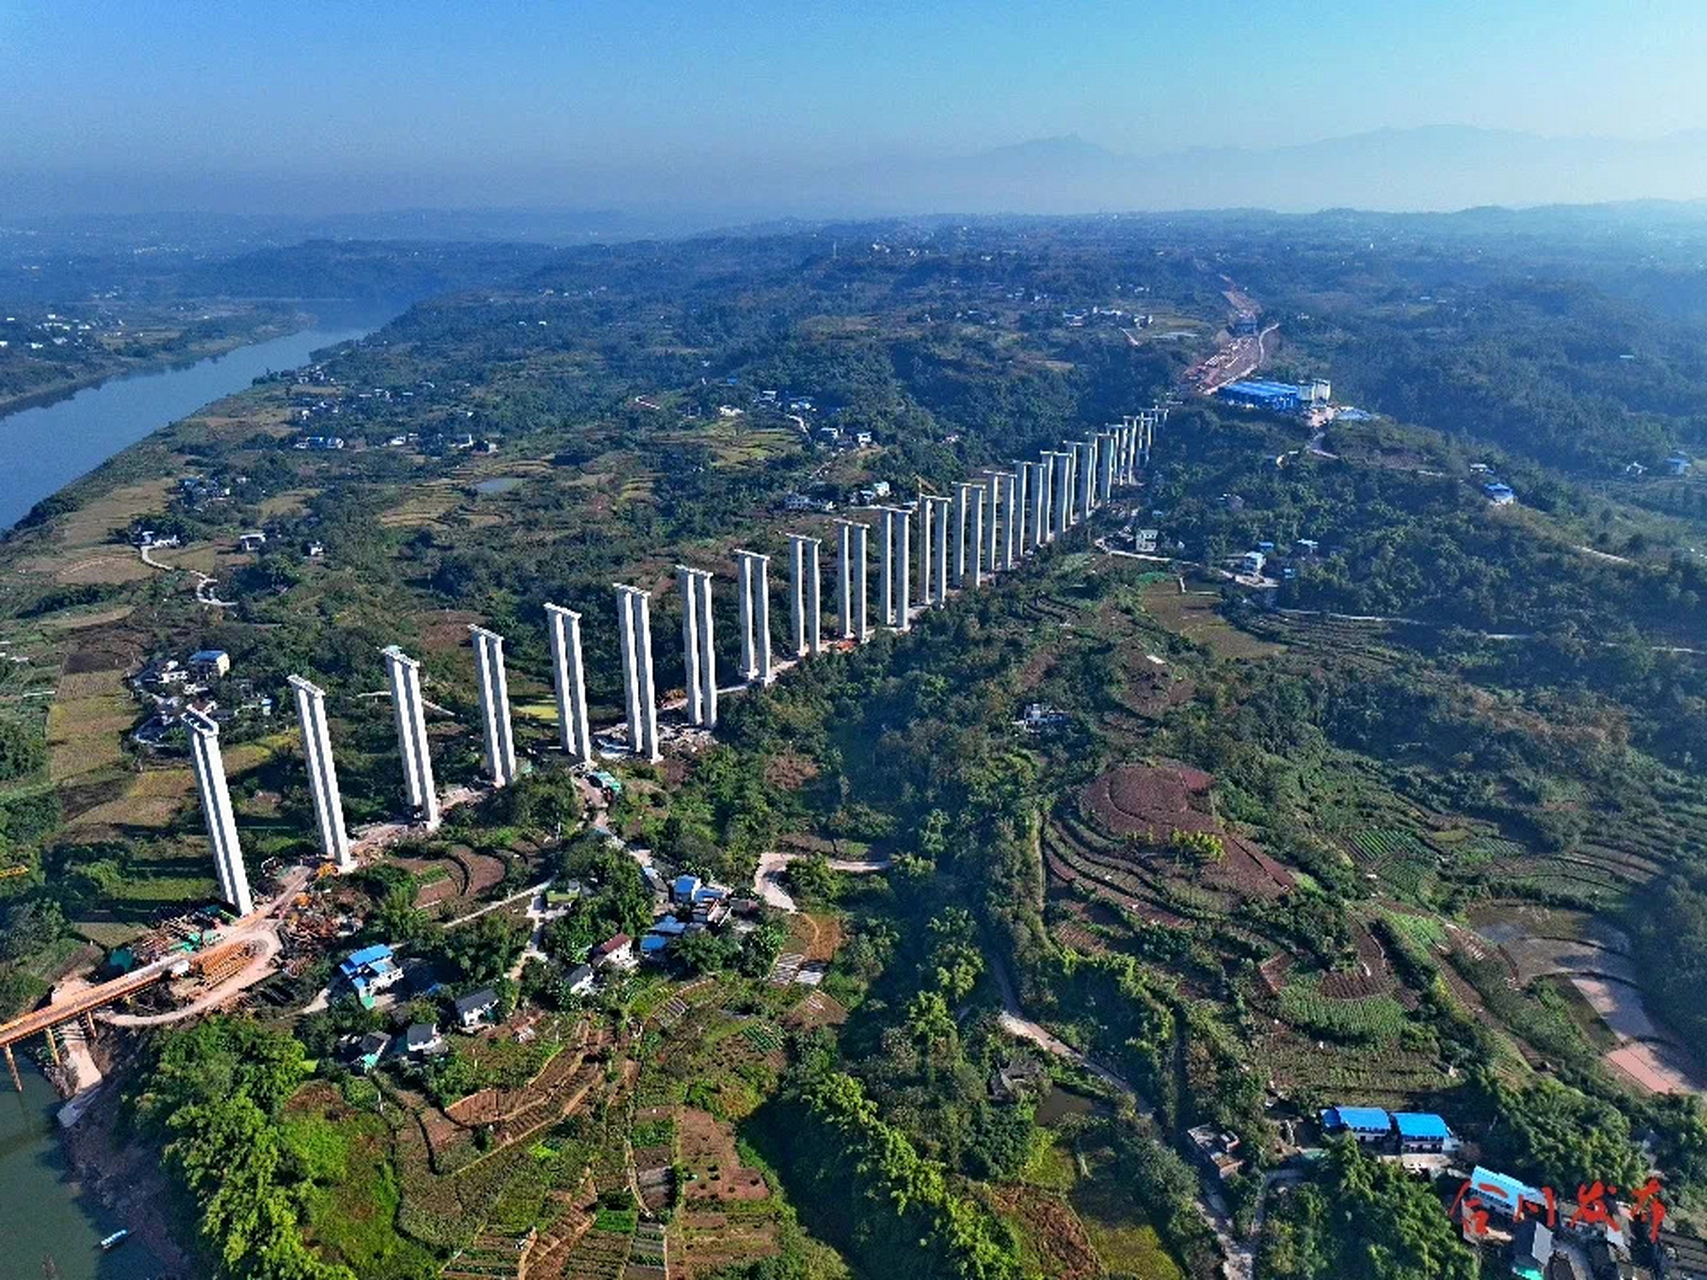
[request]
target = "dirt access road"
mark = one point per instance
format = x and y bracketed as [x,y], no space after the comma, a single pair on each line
[767,877]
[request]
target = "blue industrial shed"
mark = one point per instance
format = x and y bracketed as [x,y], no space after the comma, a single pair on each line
[1260,393]
[1365,1122]
[1421,1126]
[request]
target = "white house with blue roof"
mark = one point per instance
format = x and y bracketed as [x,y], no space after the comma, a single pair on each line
[1366,1124]
[1421,1132]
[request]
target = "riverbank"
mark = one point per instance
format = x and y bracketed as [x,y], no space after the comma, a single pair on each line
[162,362]
[50,447]
[124,1177]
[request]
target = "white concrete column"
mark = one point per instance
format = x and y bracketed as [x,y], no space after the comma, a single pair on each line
[744,580]
[1088,479]
[699,659]
[707,652]
[634,618]
[569,679]
[927,522]
[1011,521]
[803,593]
[862,624]
[796,596]
[494,692]
[395,664]
[1062,497]
[992,519]
[411,715]
[943,507]
[641,603]
[844,579]
[959,533]
[755,616]
[886,569]
[1075,480]
[1023,477]
[975,547]
[814,603]
[213,815]
[322,776]
[1105,467]
[1041,521]
[221,820]
[903,569]
[693,667]
[1039,500]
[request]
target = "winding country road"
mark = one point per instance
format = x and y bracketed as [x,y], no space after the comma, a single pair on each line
[204,584]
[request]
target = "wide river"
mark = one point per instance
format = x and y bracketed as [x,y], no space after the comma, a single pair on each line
[43,1213]
[48,447]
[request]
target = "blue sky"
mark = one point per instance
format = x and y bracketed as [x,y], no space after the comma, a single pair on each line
[471,90]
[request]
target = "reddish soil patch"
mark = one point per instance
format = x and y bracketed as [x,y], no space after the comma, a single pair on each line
[717,1174]
[480,870]
[1151,691]
[1151,802]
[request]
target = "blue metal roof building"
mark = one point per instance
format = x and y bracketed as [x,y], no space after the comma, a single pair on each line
[1421,1125]
[1363,1121]
[1259,393]
[356,961]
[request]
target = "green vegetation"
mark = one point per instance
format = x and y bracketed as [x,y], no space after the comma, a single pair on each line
[1250,848]
[1366,1220]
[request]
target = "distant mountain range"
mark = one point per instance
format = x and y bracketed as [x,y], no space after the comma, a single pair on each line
[1434,169]
[1438,168]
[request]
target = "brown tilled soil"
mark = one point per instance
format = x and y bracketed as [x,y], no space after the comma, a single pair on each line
[820,1009]
[708,1151]
[1153,801]
[817,937]
[480,870]
[1151,691]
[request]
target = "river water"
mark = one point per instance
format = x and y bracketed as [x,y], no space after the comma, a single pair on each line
[44,1214]
[49,446]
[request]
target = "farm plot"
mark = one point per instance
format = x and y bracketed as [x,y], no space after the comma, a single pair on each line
[1051,1231]
[1399,858]
[1372,977]
[600,1254]
[717,1061]
[1389,1075]
[1139,805]
[1374,1019]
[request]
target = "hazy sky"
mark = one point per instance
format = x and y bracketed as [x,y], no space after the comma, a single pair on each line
[501,100]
